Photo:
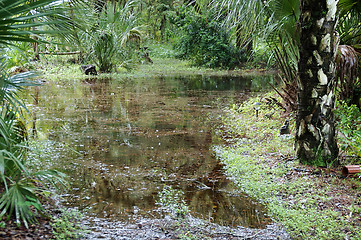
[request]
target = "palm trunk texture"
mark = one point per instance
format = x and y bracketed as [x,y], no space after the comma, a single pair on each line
[315,128]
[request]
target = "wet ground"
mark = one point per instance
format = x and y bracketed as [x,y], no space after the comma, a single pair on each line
[127,140]
[189,228]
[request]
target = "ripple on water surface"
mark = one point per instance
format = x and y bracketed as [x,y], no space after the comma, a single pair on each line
[128,140]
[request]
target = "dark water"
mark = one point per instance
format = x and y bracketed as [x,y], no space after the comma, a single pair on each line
[129,138]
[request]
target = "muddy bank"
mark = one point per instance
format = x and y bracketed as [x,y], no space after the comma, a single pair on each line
[169,228]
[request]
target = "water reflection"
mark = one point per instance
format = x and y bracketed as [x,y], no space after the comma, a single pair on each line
[137,136]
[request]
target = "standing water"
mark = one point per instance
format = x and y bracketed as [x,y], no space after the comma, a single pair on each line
[129,139]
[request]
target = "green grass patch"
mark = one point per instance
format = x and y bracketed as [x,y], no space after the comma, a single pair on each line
[62,68]
[311,203]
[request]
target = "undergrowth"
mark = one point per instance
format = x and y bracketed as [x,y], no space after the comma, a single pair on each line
[171,201]
[67,225]
[349,128]
[55,68]
[308,202]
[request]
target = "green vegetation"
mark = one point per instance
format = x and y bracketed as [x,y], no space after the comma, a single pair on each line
[106,37]
[205,42]
[68,225]
[171,201]
[349,120]
[312,203]
[21,190]
[58,67]
[117,36]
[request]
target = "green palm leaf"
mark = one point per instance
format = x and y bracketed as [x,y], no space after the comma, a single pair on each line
[20,19]
[19,199]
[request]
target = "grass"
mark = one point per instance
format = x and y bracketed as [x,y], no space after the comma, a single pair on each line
[60,67]
[65,222]
[310,202]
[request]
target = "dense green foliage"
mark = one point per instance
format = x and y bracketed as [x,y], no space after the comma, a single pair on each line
[349,127]
[171,201]
[67,225]
[108,36]
[205,42]
[111,35]
[20,188]
[261,162]
[349,26]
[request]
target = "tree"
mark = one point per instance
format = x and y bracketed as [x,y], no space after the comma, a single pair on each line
[19,187]
[108,36]
[315,129]
[247,19]
[349,85]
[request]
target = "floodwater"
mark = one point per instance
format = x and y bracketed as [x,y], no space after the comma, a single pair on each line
[128,139]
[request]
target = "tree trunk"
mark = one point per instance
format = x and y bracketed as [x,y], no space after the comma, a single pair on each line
[36,50]
[162,26]
[315,129]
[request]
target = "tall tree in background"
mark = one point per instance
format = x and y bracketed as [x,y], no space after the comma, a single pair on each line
[315,130]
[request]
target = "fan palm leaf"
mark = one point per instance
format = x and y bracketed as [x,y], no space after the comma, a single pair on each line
[347,64]
[103,35]
[20,21]
[18,200]
[349,26]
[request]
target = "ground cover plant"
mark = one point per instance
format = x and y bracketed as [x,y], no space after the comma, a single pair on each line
[293,192]
[349,137]
[311,202]
[60,67]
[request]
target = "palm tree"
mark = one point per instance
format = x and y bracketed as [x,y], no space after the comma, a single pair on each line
[315,129]
[349,29]
[246,18]
[20,21]
[104,33]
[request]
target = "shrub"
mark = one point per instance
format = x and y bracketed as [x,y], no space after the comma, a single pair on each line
[205,42]
[20,189]
[348,121]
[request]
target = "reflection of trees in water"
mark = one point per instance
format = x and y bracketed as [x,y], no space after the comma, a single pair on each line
[225,209]
[137,136]
[213,202]
[109,190]
[98,94]
[226,83]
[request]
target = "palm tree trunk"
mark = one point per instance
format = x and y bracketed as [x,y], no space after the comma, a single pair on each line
[315,129]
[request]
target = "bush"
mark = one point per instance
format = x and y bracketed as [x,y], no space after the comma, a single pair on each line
[348,120]
[205,42]
[68,225]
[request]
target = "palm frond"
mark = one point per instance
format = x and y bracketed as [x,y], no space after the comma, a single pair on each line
[53,177]
[21,20]
[347,62]
[349,26]
[103,35]
[349,6]
[19,199]
[245,17]
[10,85]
